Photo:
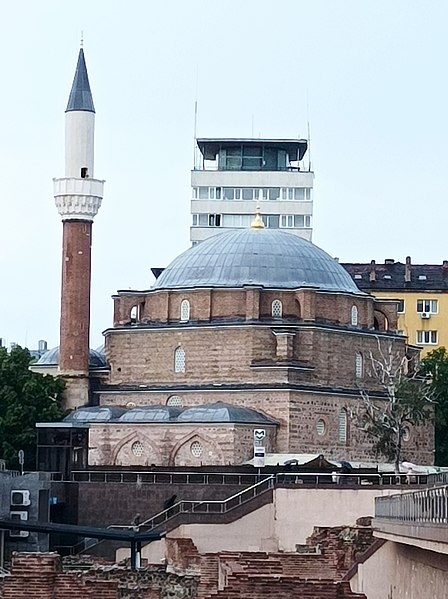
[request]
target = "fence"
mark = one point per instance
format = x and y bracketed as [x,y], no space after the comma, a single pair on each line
[420,507]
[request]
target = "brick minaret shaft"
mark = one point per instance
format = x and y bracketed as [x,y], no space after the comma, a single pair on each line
[78,198]
[75,297]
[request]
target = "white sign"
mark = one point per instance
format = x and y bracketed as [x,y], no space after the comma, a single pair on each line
[259,457]
[259,436]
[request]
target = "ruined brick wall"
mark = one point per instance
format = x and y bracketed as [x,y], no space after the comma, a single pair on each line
[41,576]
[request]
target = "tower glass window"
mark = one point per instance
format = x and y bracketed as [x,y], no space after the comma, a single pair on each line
[185,310]
[276,309]
[179,359]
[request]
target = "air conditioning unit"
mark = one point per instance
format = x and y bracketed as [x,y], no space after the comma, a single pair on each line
[20,498]
[425,315]
[16,533]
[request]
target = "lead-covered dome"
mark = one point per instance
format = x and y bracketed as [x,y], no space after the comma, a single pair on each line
[262,257]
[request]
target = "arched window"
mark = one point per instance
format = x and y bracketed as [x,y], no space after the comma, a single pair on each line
[359,366]
[342,426]
[135,313]
[174,401]
[179,359]
[185,310]
[354,316]
[276,309]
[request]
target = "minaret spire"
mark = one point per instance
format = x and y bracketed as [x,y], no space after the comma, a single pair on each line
[78,197]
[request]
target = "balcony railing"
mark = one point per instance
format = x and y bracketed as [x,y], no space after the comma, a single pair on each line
[420,507]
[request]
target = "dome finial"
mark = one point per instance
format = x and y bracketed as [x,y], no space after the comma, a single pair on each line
[257,223]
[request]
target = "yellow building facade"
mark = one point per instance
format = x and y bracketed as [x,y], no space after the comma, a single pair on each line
[421,291]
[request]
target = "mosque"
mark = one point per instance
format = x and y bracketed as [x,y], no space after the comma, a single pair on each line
[252,329]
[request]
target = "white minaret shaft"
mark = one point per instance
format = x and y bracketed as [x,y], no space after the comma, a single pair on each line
[79,143]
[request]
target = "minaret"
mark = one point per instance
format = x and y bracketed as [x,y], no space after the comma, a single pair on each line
[78,198]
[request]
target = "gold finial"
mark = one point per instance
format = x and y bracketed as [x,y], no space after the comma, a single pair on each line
[82,38]
[257,223]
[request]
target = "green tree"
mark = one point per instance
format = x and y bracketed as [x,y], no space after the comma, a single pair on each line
[435,366]
[407,400]
[25,398]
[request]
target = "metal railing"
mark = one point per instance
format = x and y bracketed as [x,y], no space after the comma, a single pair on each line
[420,507]
[210,506]
[190,507]
[163,478]
[240,479]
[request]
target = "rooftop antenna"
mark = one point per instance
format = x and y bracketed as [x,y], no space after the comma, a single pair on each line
[309,135]
[195,151]
[252,125]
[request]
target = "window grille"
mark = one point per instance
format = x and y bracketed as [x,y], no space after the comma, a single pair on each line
[174,401]
[359,366]
[137,449]
[179,360]
[342,426]
[185,310]
[196,449]
[277,309]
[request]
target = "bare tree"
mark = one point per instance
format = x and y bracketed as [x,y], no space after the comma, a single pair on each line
[407,401]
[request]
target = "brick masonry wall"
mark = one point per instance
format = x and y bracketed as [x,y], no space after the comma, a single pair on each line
[40,576]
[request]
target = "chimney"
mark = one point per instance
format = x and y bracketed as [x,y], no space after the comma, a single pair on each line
[372,273]
[407,270]
[445,265]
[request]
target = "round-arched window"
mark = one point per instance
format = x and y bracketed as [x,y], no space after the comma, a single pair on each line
[276,309]
[342,426]
[354,316]
[137,449]
[179,359]
[185,310]
[196,449]
[359,366]
[174,401]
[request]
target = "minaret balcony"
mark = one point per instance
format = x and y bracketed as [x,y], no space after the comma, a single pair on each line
[77,198]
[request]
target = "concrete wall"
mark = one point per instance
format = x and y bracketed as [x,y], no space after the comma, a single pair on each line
[279,526]
[398,571]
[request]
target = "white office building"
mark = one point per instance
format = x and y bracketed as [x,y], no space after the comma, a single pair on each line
[232,175]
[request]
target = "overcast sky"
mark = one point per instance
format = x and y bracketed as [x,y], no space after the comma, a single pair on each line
[374,74]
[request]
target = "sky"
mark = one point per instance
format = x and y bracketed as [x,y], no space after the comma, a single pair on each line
[369,76]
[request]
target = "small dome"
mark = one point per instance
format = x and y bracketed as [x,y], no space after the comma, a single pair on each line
[95,414]
[263,257]
[51,358]
[223,412]
[151,414]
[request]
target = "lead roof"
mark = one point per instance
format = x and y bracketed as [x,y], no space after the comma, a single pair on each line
[80,96]
[260,257]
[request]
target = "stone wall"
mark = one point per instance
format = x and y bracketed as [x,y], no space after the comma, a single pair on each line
[171,445]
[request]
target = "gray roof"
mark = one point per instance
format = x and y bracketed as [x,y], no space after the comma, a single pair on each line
[223,412]
[80,96]
[95,414]
[217,412]
[51,358]
[262,257]
[151,414]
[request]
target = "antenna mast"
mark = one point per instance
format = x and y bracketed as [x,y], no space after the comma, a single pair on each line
[195,123]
